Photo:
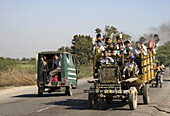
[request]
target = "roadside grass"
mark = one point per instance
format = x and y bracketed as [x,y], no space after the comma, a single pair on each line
[29,68]
[85,71]
[16,73]
[15,77]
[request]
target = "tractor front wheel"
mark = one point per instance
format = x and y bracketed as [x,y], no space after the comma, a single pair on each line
[133,98]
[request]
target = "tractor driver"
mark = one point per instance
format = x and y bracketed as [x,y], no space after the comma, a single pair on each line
[131,68]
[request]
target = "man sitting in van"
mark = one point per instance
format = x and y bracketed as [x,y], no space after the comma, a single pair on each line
[56,66]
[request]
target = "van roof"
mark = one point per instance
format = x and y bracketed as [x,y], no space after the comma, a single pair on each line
[53,52]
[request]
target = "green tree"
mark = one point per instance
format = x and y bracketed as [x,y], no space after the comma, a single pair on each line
[66,49]
[112,32]
[82,49]
[98,30]
[62,48]
[163,53]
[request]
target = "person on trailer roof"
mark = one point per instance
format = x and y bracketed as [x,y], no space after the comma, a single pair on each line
[110,46]
[143,47]
[121,48]
[108,43]
[127,45]
[131,68]
[138,49]
[99,47]
[119,40]
[153,43]
[98,37]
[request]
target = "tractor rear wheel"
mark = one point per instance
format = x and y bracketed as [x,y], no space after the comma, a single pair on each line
[146,99]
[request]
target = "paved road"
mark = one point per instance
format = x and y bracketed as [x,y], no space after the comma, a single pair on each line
[24,101]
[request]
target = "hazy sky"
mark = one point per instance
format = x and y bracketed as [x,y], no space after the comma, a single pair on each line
[28,26]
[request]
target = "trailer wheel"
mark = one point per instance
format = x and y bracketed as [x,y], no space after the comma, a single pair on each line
[92,100]
[133,98]
[146,99]
[40,91]
[69,90]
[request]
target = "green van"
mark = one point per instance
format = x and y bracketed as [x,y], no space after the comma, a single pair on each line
[64,80]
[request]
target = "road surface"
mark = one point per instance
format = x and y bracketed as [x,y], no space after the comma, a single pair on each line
[23,101]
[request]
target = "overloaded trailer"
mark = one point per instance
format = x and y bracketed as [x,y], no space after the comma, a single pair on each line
[109,82]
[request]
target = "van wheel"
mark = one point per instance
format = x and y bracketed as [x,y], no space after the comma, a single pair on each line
[69,90]
[133,98]
[75,87]
[146,99]
[40,92]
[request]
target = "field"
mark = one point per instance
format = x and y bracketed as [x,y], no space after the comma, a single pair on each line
[85,71]
[17,73]
[23,73]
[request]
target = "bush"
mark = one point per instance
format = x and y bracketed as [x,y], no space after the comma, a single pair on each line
[7,63]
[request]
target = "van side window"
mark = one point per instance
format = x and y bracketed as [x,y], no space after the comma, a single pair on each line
[67,58]
[73,60]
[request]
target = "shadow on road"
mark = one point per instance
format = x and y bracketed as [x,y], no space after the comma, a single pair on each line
[36,95]
[166,80]
[81,104]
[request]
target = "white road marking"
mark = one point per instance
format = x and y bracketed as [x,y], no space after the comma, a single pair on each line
[46,108]
[55,105]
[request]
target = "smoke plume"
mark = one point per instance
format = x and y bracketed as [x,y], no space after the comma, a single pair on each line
[163,31]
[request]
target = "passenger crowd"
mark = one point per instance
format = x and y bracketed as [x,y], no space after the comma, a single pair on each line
[124,47]
[106,48]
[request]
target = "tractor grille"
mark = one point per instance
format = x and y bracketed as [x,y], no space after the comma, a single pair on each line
[108,74]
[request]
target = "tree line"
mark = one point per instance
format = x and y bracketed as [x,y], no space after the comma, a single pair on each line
[163,53]
[82,44]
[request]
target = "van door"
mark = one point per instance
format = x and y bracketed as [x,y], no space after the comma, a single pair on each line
[39,71]
[71,71]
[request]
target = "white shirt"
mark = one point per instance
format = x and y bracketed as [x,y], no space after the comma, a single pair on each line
[117,46]
[163,66]
[144,49]
[106,60]
[136,51]
[101,48]
[130,66]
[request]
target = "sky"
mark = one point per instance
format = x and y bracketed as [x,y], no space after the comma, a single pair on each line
[30,26]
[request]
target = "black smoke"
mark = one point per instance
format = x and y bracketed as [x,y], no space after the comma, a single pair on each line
[163,31]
